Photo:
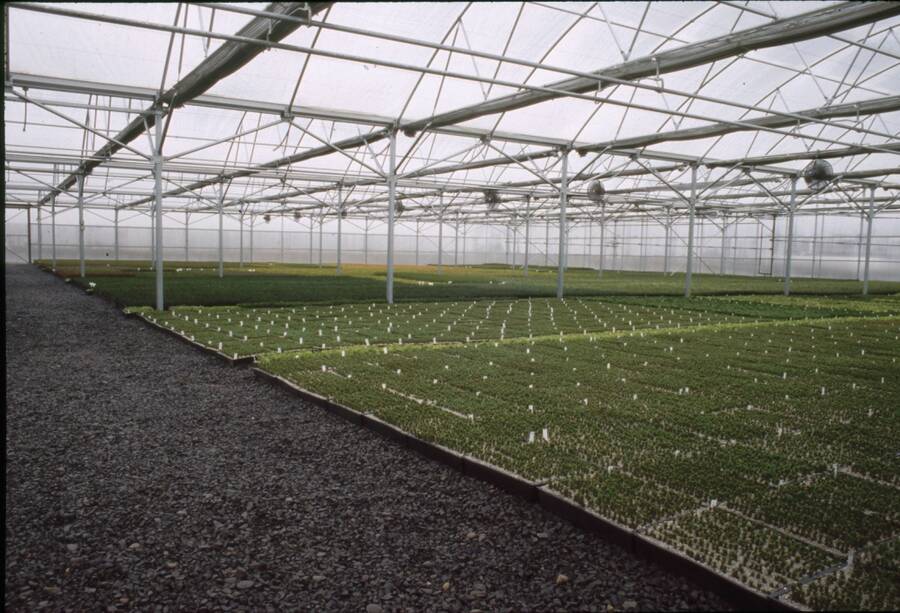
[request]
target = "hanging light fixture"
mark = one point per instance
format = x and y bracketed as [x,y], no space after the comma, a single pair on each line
[818,174]
[596,192]
[492,198]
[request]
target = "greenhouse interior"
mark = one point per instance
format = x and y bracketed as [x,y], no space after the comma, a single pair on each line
[608,292]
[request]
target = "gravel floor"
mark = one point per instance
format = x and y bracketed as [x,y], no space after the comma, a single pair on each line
[141,473]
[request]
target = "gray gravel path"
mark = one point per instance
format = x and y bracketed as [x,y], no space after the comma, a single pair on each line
[141,473]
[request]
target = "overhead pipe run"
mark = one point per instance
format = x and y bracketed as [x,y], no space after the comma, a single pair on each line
[853,109]
[783,31]
[225,60]
[793,29]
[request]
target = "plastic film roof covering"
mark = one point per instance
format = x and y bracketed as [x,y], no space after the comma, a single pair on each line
[580,36]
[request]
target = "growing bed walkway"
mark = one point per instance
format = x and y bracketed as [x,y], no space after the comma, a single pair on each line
[141,472]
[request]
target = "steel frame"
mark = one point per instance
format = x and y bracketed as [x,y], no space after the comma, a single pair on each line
[640,189]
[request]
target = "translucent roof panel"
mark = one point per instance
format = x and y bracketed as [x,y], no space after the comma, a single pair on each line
[475,77]
[55,45]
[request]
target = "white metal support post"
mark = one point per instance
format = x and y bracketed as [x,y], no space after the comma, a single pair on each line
[563,196]
[366,241]
[590,242]
[689,267]
[28,222]
[40,239]
[547,245]
[815,233]
[465,234]
[116,235]
[187,237]
[615,243]
[668,226]
[513,230]
[527,233]
[241,243]
[859,246]
[252,223]
[321,231]
[506,225]
[440,233]
[700,239]
[821,250]
[81,224]
[759,247]
[756,246]
[281,239]
[221,231]
[602,239]
[340,216]
[642,251]
[157,196]
[312,233]
[772,246]
[152,237]
[456,242]
[53,231]
[518,242]
[790,237]
[392,188]
[871,219]
[734,245]
[722,247]
[417,241]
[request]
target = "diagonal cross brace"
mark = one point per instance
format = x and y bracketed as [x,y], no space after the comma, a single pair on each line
[227,59]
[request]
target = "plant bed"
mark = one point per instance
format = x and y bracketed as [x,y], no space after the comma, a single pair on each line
[643,427]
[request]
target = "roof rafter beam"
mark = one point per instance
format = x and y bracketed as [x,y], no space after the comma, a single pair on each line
[78,86]
[820,154]
[608,76]
[751,9]
[853,109]
[228,58]
[801,27]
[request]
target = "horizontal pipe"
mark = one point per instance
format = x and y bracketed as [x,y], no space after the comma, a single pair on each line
[225,60]
[853,109]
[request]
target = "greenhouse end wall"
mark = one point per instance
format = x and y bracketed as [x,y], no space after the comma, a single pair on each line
[823,247]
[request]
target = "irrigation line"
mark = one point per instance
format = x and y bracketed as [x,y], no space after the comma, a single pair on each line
[830,570]
[785,532]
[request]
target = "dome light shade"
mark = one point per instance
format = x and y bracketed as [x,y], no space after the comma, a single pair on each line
[596,192]
[492,198]
[817,174]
